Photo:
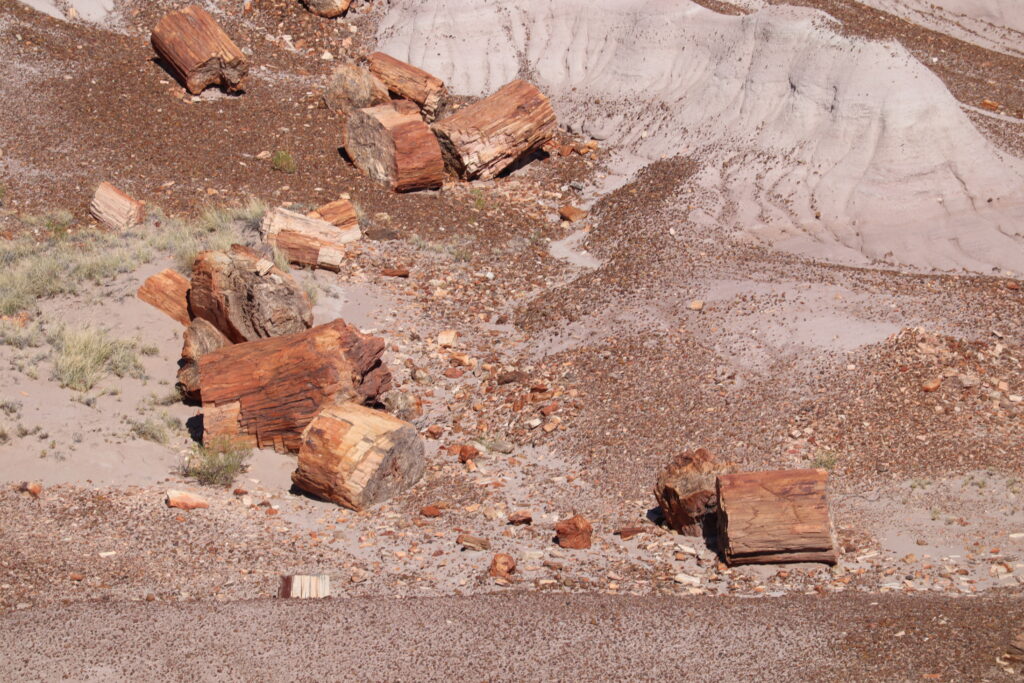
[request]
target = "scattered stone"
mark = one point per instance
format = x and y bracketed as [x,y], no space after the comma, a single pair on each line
[502,566]
[697,305]
[75,576]
[447,338]
[520,517]
[686,580]
[183,500]
[33,488]
[434,431]
[685,490]
[471,542]
[571,214]
[574,533]
[990,105]
[395,272]
[430,511]
[628,532]
[465,452]
[932,385]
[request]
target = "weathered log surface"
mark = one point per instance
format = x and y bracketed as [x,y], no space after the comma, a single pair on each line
[198,50]
[357,457]
[392,144]
[265,392]
[485,138]
[351,88]
[115,209]
[168,292]
[246,297]
[329,9]
[685,490]
[778,516]
[305,586]
[408,82]
[201,337]
[308,241]
[340,213]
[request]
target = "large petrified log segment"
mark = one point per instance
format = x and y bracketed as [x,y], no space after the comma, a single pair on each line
[351,88]
[246,297]
[357,457]
[198,51]
[340,213]
[329,9]
[308,241]
[115,209]
[167,291]
[265,392]
[685,490]
[778,516]
[408,82]
[201,337]
[392,144]
[485,138]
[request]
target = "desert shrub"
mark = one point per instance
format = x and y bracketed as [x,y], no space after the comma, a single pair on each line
[216,464]
[86,355]
[155,429]
[56,221]
[10,407]
[21,336]
[283,161]
[215,228]
[4,436]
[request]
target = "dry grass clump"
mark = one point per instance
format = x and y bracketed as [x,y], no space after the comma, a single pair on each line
[84,356]
[155,429]
[216,464]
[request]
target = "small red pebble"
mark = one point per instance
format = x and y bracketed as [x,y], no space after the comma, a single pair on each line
[430,511]
[33,488]
[467,453]
[1013,284]
[549,409]
[75,576]
[240,492]
[395,272]
[271,511]
[435,431]
[454,373]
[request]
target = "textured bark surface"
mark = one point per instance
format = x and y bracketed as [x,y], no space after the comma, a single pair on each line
[408,82]
[246,297]
[340,213]
[351,88]
[778,516]
[329,9]
[201,337]
[685,490]
[392,144]
[485,138]
[198,51]
[265,392]
[309,241]
[357,457]
[305,586]
[167,291]
[115,209]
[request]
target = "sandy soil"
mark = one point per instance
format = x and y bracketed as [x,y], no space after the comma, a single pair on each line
[587,369]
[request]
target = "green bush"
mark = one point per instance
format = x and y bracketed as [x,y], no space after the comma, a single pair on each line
[216,464]
[283,161]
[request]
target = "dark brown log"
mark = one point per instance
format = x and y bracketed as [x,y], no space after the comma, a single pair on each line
[201,337]
[392,144]
[351,88]
[308,241]
[265,392]
[329,9]
[167,291]
[778,516]
[114,209]
[408,82]
[685,490]
[198,51]
[357,457]
[485,138]
[246,297]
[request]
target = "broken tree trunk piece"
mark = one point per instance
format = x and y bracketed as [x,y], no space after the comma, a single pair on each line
[328,9]
[340,213]
[302,586]
[357,457]
[265,392]
[201,337]
[408,82]
[246,297]
[685,490]
[392,144]
[198,51]
[778,516]
[308,241]
[168,292]
[485,138]
[114,209]
[351,88]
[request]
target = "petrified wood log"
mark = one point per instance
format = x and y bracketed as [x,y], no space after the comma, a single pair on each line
[340,213]
[408,82]
[351,88]
[329,9]
[392,144]
[779,516]
[167,291]
[305,586]
[201,337]
[114,209]
[485,138]
[308,241]
[357,457]
[574,533]
[246,297]
[265,392]
[685,490]
[198,51]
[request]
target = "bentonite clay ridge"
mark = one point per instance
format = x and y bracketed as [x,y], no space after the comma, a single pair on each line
[828,145]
